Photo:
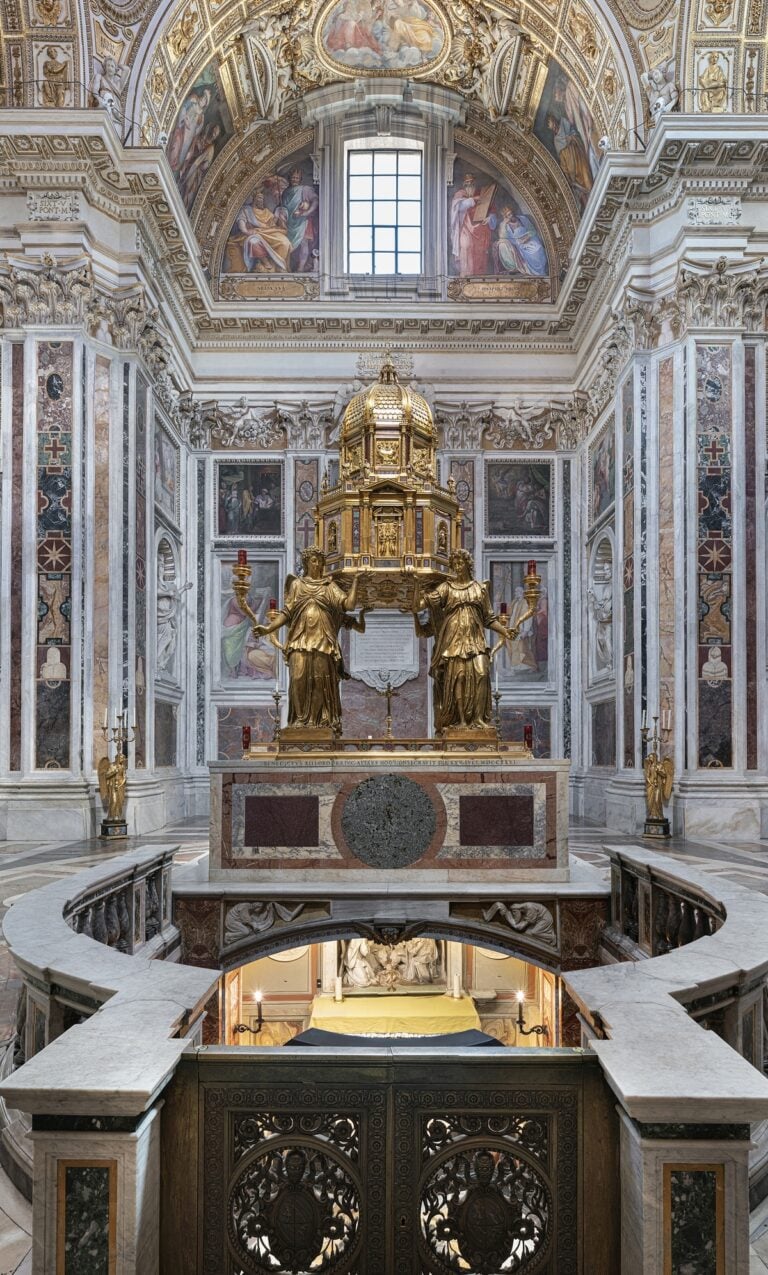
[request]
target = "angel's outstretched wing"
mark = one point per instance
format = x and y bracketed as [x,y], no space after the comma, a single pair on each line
[668,767]
[103,767]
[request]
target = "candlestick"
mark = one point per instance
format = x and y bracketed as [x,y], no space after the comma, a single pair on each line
[644,721]
[504,609]
[273,604]
[532,567]
[246,738]
[495,677]
[338,994]
[456,987]
[528,735]
[242,557]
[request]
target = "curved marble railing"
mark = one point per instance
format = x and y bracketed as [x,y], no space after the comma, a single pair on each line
[685,1097]
[653,911]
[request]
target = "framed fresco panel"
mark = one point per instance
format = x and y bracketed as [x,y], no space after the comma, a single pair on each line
[602,473]
[166,474]
[526,658]
[490,228]
[519,499]
[202,128]
[242,661]
[276,230]
[564,124]
[248,497]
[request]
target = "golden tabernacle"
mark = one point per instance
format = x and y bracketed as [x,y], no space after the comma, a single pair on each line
[388,517]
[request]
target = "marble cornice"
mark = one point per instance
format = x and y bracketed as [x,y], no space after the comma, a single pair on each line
[134,186]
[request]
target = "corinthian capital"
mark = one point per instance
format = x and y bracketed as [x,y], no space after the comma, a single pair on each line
[722,295]
[44,291]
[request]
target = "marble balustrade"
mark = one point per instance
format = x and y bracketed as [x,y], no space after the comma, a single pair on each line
[686,1099]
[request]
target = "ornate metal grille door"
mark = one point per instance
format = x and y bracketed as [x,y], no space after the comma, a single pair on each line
[471,1165]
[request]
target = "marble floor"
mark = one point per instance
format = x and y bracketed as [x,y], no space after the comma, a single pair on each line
[25,866]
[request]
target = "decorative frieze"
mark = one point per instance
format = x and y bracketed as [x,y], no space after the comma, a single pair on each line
[44,292]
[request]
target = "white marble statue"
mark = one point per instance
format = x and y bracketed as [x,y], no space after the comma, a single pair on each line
[106,85]
[169,594]
[600,599]
[660,88]
[361,964]
[532,919]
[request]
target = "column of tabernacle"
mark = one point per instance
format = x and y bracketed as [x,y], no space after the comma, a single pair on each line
[365,529]
[409,528]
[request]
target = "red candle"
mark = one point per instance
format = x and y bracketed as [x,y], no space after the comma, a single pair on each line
[246,738]
[528,735]
[503,608]
[532,567]
[273,604]
[242,557]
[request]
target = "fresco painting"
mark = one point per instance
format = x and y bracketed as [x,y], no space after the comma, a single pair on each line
[203,127]
[565,126]
[277,229]
[490,231]
[382,35]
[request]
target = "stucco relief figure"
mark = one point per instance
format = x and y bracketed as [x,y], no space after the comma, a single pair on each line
[532,919]
[168,603]
[361,965]
[315,610]
[713,85]
[660,88]
[106,85]
[54,90]
[460,612]
[714,668]
[112,785]
[246,919]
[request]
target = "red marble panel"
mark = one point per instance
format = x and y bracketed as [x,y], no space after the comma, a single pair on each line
[282,821]
[496,821]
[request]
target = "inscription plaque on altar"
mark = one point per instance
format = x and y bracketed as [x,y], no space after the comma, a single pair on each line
[388,651]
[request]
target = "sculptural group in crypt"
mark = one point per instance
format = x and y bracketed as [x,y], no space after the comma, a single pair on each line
[369,964]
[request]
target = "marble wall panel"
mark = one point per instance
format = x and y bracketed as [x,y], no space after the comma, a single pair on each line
[101,529]
[230,720]
[628,627]
[567,602]
[140,575]
[306,477]
[666,392]
[604,733]
[86,1240]
[753,466]
[515,719]
[693,1221]
[54,553]
[17,507]
[200,624]
[714,539]
[364,711]
[166,734]
[462,469]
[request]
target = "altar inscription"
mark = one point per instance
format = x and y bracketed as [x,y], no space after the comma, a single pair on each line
[388,651]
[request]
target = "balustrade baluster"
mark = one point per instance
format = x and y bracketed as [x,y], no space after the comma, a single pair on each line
[660,945]
[673,922]
[112,921]
[685,933]
[86,922]
[99,922]
[124,919]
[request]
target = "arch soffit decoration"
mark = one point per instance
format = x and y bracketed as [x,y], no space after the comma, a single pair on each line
[296,934]
[522,160]
[592,42]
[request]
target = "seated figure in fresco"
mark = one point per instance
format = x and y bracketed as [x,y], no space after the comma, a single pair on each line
[460,612]
[315,610]
[518,248]
[266,246]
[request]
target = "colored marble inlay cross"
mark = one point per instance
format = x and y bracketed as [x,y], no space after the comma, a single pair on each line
[714,450]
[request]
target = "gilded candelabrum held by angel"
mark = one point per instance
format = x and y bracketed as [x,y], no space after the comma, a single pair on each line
[459,613]
[316,608]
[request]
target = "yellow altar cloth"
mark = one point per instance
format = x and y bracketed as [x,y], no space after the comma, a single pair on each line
[394,1015]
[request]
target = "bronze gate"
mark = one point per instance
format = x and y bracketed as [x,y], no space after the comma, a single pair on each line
[389,1164]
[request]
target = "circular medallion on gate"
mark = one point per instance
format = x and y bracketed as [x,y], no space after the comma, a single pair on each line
[388,821]
[294,1209]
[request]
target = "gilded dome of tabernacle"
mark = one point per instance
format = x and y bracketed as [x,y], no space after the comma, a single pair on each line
[387,404]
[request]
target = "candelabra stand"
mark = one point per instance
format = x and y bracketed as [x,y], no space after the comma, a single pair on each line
[274,714]
[497,712]
[390,693]
[240,1028]
[112,776]
[659,775]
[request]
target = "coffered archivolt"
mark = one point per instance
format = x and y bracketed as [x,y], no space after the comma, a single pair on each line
[496,54]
